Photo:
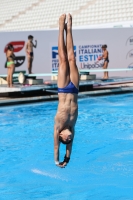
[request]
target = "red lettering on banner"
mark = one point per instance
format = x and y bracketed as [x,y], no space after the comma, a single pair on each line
[18,46]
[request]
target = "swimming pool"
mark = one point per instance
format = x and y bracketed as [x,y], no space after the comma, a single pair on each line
[101,165]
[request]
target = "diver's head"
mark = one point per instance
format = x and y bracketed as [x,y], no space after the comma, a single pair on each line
[66,136]
[104,47]
[10,47]
[30,37]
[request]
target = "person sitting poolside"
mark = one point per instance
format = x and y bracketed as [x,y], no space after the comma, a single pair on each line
[68,84]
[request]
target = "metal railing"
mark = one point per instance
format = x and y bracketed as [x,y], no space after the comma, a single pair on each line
[80,71]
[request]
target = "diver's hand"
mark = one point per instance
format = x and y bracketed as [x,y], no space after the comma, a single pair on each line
[62,164]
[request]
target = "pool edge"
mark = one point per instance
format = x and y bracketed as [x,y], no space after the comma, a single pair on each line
[26,100]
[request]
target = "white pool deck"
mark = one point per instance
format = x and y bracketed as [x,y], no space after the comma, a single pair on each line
[19,88]
[4,101]
[53,85]
[101,87]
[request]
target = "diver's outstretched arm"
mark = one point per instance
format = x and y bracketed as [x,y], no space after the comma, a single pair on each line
[56,146]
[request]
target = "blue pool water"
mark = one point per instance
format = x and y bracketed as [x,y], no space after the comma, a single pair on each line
[101,166]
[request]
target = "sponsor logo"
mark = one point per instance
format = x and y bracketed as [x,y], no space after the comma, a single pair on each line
[91,66]
[18,45]
[54,52]
[88,54]
[19,60]
[129,54]
[55,58]
[129,41]
[130,65]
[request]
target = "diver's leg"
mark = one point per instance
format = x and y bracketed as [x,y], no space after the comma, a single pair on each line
[105,73]
[107,76]
[12,68]
[74,74]
[63,71]
[29,64]
[8,76]
[104,67]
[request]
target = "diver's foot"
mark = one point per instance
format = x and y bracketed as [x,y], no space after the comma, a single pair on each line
[30,72]
[69,21]
[62,21]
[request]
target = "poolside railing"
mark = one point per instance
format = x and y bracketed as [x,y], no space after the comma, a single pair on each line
[80,71]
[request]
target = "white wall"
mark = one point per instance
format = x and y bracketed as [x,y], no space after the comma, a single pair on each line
[119,41]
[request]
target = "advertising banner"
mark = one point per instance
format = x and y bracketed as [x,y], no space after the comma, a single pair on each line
[87,55]
[87,48]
